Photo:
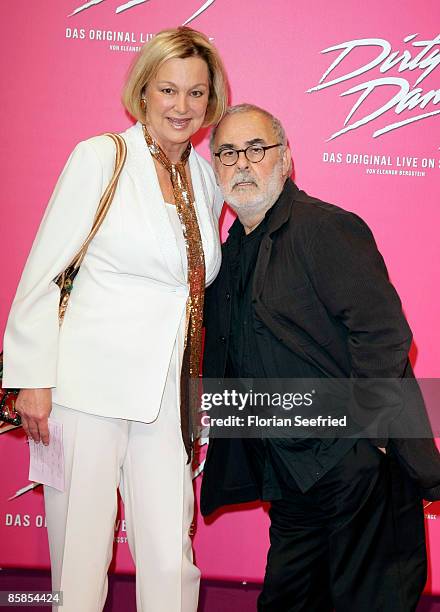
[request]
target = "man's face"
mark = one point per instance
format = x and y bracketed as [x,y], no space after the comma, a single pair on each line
[249,187]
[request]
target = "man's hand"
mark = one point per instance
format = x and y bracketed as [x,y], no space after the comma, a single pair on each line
[34,407]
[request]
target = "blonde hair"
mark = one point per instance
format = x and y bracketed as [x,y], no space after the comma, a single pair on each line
[180,43]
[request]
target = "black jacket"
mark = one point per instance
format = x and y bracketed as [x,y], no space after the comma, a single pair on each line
[322,288]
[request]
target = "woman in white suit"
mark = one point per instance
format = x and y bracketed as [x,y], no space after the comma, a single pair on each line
[113,373]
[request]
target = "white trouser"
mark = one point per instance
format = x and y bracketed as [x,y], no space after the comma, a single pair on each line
[148,462]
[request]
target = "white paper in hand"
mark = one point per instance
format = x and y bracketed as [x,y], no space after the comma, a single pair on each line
[47,462]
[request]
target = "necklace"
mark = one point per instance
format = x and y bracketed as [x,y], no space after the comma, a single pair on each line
[196,281]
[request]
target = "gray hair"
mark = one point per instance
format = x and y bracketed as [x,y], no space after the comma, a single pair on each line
[246,108]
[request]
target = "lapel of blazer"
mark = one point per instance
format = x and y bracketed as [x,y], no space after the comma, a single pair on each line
[140,164]
[208,223]
[279,216]
[200,195]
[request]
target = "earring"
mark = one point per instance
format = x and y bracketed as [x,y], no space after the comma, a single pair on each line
[143,103]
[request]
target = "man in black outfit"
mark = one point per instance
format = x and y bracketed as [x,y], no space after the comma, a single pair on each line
[304,293]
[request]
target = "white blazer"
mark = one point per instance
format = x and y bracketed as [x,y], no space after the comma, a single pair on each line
[112,353]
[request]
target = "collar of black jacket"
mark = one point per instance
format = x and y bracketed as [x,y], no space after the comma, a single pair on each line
[277,215]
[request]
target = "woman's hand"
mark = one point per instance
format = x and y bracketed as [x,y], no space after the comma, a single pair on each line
[34,407]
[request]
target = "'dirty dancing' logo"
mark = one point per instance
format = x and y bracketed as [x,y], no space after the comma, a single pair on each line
[420,59]
[133,3]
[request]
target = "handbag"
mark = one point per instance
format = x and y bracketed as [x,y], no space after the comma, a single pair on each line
[65,279]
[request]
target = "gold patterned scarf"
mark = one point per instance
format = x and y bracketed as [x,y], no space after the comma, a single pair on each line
[196,280]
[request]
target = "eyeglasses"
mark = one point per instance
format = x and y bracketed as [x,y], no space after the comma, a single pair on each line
[253,153]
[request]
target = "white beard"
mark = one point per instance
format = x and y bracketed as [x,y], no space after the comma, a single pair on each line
[252,211]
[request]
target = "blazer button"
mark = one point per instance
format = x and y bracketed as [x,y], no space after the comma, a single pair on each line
[228,296]
[222,338]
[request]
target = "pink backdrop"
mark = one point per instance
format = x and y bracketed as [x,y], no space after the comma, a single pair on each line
[61,78]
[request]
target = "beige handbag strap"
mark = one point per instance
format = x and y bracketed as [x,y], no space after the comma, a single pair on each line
[106,198]
[64,280]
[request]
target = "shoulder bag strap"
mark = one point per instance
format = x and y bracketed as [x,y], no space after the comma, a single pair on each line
[65,279]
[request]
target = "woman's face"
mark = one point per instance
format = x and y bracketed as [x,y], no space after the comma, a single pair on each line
[176,101]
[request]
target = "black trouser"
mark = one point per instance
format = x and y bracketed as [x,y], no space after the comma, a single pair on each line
[355,542]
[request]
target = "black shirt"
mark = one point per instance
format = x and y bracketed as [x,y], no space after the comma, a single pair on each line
[254,352]
[244,354]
